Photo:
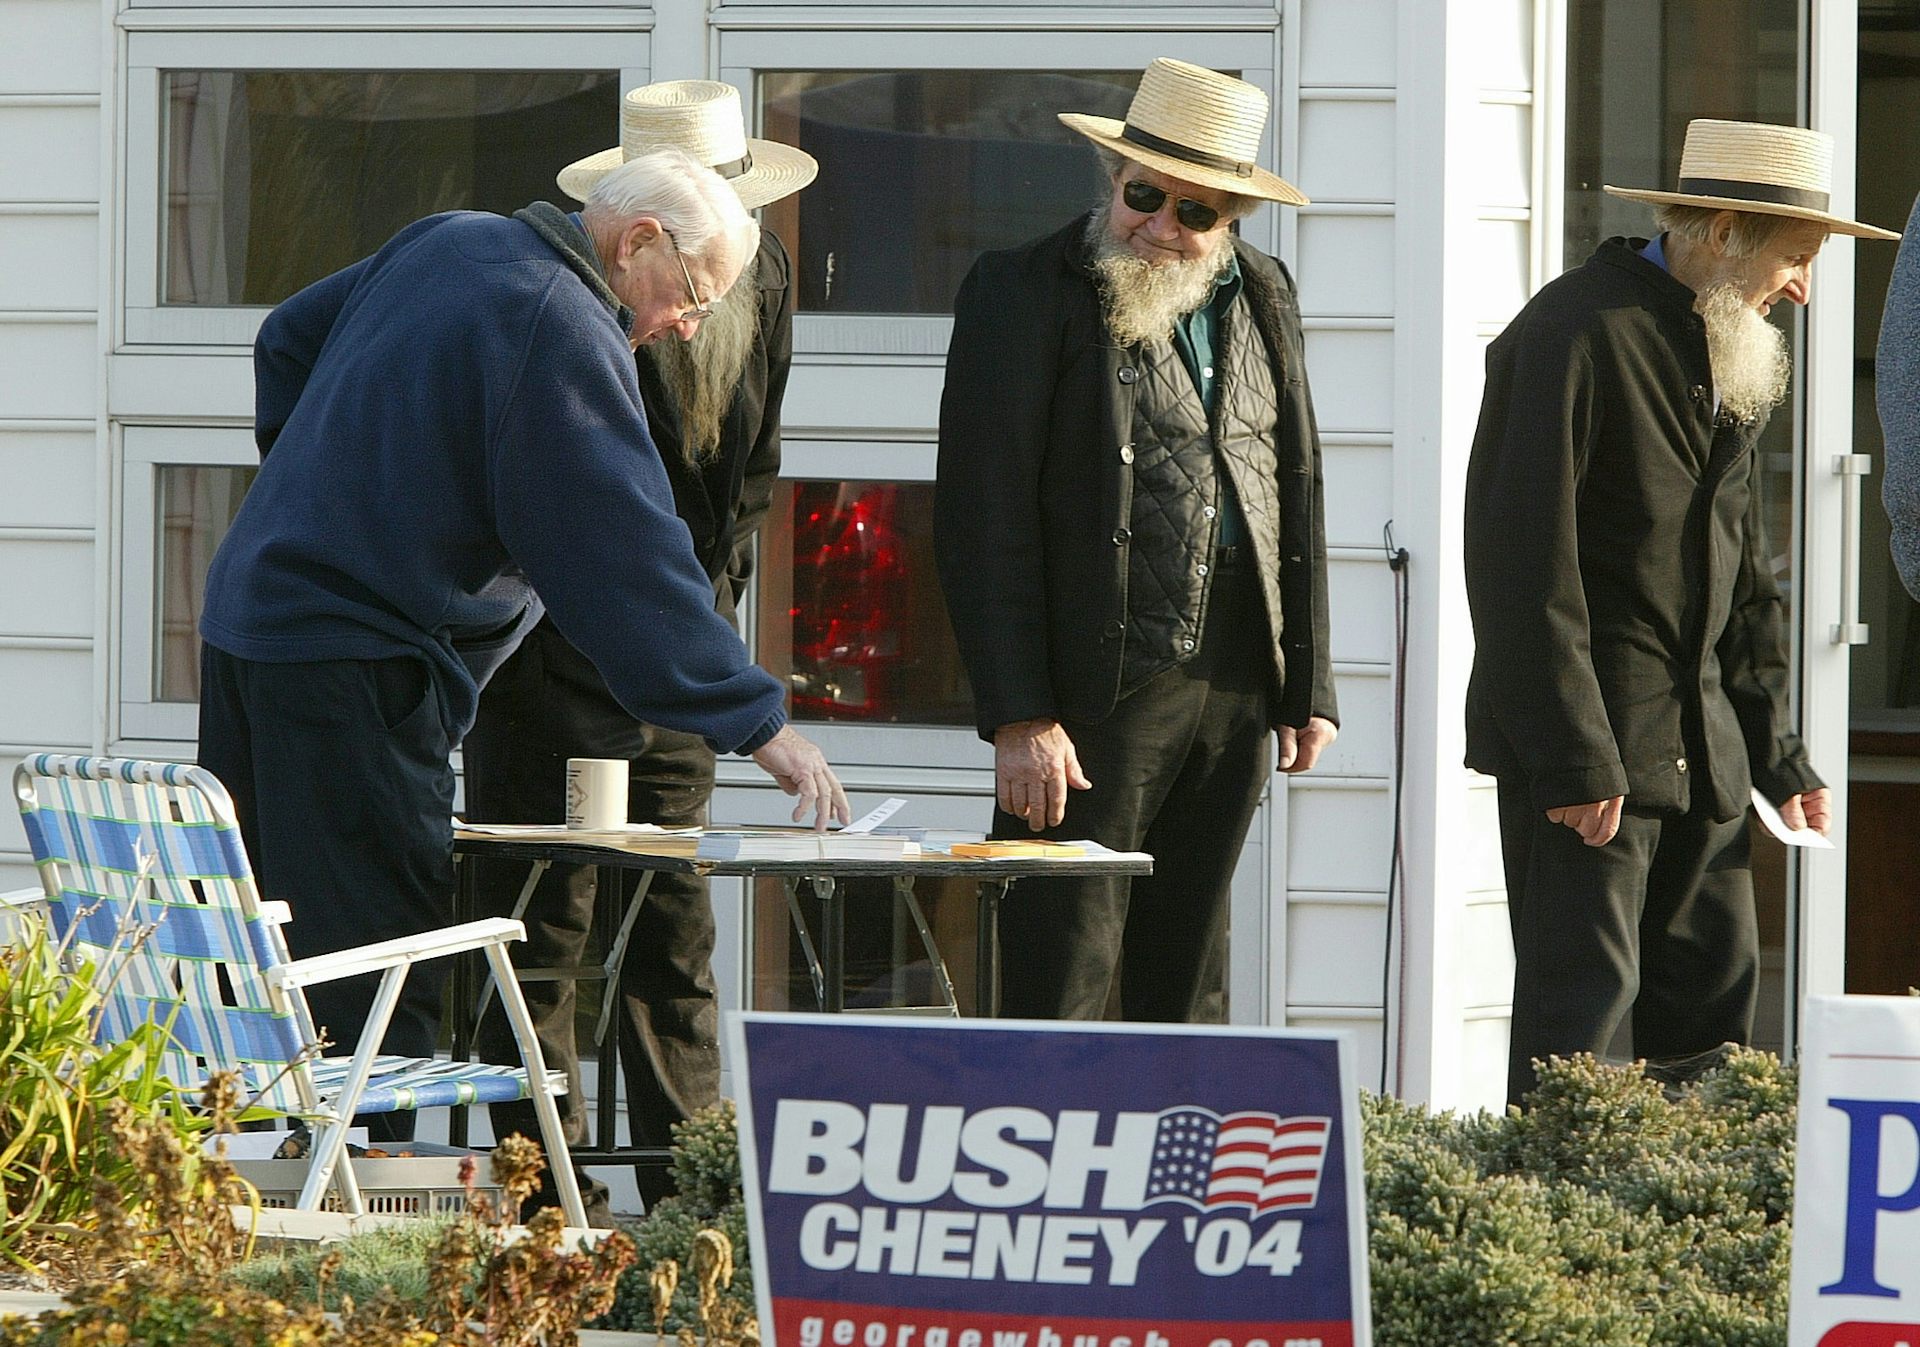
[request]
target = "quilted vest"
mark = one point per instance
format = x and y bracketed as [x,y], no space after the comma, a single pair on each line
[1175,517]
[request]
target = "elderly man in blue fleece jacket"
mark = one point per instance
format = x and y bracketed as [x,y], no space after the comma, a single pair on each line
[453,436]
[1897,390]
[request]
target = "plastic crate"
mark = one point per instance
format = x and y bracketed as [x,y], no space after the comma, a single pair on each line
[426,1183]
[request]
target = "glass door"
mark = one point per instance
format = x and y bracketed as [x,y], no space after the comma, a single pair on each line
[1636,74]
[1883,772]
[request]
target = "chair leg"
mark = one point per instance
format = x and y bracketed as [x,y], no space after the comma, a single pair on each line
[540,1090]
[330,1143]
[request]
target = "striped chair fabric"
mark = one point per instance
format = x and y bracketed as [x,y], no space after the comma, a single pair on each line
[144,869]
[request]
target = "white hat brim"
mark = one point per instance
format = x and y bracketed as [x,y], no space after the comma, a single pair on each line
[778,171]
[1838,224]
[1105,131]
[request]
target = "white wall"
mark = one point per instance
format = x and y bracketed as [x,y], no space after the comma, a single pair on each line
[1409,122]
[51,74]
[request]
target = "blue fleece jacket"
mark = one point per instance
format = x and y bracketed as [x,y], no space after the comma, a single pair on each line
[455,425]
[1897,390]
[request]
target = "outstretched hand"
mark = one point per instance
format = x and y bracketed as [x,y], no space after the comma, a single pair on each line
[800,768]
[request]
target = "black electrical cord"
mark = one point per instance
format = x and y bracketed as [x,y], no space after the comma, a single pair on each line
[1397,560]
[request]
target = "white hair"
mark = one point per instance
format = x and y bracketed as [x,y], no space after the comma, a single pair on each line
[690,200]
[1753,232]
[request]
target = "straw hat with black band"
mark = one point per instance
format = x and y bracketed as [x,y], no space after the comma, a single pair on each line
[1193,124]
[703,118]
[1754,166]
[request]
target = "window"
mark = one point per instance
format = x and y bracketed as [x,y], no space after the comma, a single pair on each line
[888,961]
[924,166]
[851,614]
[275,179]
[930,168]
[277,160]
[182,487]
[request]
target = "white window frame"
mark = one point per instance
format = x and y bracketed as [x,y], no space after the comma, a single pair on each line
[745,52]
[144,451]
[621,44]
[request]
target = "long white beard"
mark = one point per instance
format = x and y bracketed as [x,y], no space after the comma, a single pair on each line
[701,376]
[1751,359]
[1142,300]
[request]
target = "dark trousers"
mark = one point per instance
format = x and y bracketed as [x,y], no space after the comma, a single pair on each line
[1177,770]
[339,772]
[1658,923]
[545,705]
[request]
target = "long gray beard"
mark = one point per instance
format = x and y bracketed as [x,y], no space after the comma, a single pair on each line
[1141,300]
[1751,359]
[701,376]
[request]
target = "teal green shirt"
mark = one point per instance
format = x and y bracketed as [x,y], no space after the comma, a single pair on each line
[1196,337]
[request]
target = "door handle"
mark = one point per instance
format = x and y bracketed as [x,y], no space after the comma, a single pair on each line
[1850,630]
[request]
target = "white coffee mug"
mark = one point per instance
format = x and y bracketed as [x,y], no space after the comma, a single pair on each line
[596,793]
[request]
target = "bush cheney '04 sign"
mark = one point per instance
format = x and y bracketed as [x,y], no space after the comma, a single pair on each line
[1856,1188]
[992,1184]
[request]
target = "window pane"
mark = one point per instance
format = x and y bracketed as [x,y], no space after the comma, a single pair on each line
[922,170]
[887,963]
[850,608]
[277,178]
[197,505]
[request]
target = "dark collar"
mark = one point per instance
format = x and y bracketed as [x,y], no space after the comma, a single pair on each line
[1662,286]
[564,234]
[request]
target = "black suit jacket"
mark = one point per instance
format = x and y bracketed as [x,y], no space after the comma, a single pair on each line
[1035,489]
[1630,636]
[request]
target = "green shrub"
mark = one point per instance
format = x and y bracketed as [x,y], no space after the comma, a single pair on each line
[389,1260]
[475,1290]
[706,1172]
[58,1092]
[1613,1213]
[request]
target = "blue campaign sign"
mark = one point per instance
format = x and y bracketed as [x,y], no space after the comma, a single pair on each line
[985,1183]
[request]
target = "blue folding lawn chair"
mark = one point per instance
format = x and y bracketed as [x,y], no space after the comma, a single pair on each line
[145,875]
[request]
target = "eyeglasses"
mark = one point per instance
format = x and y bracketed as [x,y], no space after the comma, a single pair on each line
[1148,199]
[699,310]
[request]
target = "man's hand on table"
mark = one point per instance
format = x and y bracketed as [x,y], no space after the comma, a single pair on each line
[800,768]
[1034,765]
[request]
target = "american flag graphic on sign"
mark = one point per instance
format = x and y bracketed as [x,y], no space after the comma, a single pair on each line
[1260,1161]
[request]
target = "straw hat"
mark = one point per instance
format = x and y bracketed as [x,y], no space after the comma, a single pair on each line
[1752,166]
[1193,124]
[703,118]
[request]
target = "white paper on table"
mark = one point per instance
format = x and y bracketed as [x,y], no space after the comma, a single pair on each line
[521,829]
[1793,837]
[879,814]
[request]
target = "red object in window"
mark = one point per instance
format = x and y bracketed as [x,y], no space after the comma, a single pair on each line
[849,600]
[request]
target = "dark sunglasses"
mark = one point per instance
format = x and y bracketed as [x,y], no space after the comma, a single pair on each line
[1147,199]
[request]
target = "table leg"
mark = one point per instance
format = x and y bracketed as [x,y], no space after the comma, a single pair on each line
[606,1121]
[986,959]
[903,894]
[466,898]
[833,941]
[790,884]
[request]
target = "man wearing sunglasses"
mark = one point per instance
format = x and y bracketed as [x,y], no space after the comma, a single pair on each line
[1128,528]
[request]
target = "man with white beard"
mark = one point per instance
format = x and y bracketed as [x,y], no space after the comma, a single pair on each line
[713,403]
[1630,681]
[1128,527]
